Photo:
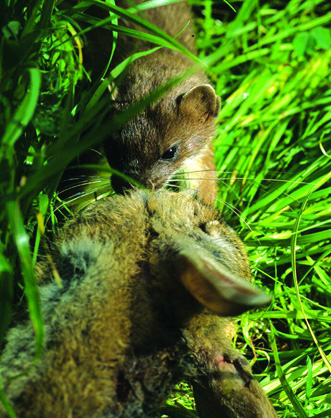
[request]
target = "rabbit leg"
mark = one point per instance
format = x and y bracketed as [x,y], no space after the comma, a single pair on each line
[229,390]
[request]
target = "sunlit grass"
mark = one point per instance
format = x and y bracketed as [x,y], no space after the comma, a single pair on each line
[271,151]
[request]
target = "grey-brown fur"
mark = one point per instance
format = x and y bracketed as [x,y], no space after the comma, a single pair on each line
[126,323]
[183,118]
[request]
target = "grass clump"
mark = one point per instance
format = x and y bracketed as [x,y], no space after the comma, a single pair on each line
[273,157]
[269,62]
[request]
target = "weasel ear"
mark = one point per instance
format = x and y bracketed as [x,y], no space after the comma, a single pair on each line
[215,287]
[200,101]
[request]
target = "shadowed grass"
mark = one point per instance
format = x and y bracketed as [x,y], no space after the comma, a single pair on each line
[45,124]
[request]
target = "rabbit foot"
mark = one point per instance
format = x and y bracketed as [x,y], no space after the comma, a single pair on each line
[228,389]
[239,366]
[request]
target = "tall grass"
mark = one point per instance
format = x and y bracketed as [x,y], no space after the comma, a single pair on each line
[274,166]
[270,64]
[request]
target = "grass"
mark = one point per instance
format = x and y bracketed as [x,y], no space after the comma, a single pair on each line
[274,171]
[269,62]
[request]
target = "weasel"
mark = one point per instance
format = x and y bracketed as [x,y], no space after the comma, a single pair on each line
[176,132]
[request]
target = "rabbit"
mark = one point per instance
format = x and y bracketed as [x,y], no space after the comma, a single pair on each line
[148,282]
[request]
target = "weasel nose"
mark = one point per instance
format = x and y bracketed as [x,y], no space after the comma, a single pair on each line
[119,184]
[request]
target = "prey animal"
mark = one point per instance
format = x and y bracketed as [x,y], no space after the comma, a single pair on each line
[148,281]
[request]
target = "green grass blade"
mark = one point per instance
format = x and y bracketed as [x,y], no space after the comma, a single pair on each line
[25,111]
[144,24]
[21,239]
[7,406]
[6,294]
[281,375]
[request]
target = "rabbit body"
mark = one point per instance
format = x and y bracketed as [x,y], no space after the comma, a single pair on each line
[146,282]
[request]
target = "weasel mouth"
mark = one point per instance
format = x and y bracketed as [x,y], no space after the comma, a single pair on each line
[120,184]
[177,181]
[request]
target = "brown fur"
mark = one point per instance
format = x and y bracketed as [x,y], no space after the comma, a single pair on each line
[180,119]
[126,323]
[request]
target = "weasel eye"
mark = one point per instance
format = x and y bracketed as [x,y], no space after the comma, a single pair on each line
[170,153]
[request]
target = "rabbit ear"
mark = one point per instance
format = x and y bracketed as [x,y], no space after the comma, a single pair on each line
[215,287]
